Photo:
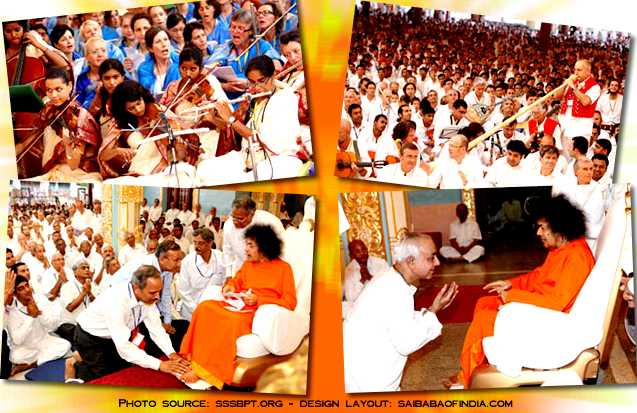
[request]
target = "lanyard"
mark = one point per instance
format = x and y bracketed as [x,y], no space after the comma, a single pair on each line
[214,269]
[137,318]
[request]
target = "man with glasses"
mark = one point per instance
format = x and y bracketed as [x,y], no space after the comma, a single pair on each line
[382,327]
[201,268]
[240,49]
[244,213]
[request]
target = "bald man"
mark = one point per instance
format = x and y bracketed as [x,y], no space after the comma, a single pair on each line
[360,269]
[578,102]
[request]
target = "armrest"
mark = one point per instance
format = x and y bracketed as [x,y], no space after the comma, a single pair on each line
[280,329]
[534,337]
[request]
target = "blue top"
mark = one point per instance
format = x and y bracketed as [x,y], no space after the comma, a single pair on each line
[218,34]
[146,73]
[109,33]
[225,54]
[165,301]
[85,88]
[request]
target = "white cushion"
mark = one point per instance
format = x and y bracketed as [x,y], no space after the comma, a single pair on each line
[250,346]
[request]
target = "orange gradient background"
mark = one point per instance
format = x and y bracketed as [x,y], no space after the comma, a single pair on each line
[326,30]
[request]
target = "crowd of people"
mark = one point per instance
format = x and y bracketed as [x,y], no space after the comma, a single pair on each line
[69,295]
[432,112]
[193,94]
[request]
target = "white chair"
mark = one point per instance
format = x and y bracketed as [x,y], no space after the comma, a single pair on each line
[537,346]
[276,331]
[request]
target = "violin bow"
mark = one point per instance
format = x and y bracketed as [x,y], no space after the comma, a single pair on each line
[28,148]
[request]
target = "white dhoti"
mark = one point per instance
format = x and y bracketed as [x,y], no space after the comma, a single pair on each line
[473,254]
[47,348]
[230,168]
[64,173]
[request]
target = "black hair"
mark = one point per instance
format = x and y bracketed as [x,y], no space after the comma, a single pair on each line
[291,36]
[58,73]
[268,242]
[139,16]
[379,116]
[191,27]
[472,130]
[128,91]
[191,53]
[19,279]
[165,246]
[605,144]
[598,156]
[276,10]
[173,20]
[581,144]
[517,146]
[212,3]
[401,131]
[554,211]
[460,103]
[263,64]
[105,66]
[58,31]
[353,107]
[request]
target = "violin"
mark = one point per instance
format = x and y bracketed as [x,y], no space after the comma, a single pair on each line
[199,92]
[347,166]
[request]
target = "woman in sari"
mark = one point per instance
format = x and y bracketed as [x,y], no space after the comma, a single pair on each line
[264,278]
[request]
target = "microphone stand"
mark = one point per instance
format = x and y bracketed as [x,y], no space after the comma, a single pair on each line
[171,146]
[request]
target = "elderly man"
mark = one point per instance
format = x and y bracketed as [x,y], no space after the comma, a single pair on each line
[107,336]
[54,277]
[554,285]
[587,195]
[360,269]
[200,269]
[178,235]
[244,213]
[75,297]
[464,237]
[407,171]
[460,170]
[30,320]
[103,279]
[94,259]
[82,218]
[382,328]
[131,250]
[579,102]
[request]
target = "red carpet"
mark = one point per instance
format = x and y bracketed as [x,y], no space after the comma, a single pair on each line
[141,377]
[460,311]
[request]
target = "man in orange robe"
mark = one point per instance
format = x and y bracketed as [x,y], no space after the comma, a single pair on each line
[554,285]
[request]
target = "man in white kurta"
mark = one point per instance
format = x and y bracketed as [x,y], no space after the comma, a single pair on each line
[407,171]
[459,170]
[508,171]
[154,212]
[383,328]
[360,270]
[83,218]
[244,214]
[31,318]
[587,195]
[131,250]
[200,269]
[464,236]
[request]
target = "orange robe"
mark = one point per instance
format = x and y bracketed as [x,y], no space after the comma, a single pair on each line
[554,285]
[210,343]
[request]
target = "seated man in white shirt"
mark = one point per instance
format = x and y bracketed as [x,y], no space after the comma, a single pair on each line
[83,218]
[548,173]
[103,279]
[382,328]
[93,258]
[407,171]
[155,211]
[600,167]
[75,297]
[243,214]
[30,320]
[459,170]
[532,161]
[507,171]
[131,250]
[464,237]
[360,269]
[54,278]
[107,337]
[200,269]
[178,235]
